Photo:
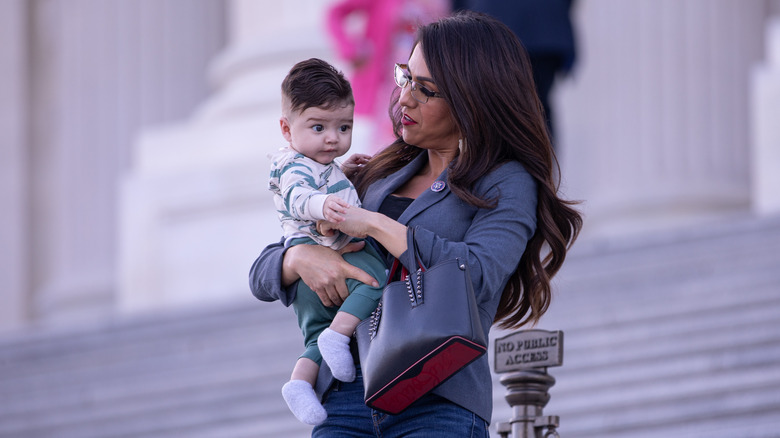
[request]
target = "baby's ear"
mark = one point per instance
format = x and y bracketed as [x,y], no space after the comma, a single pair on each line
[284,124]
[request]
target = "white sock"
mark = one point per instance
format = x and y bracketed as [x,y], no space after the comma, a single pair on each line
[334,348]
[303,402]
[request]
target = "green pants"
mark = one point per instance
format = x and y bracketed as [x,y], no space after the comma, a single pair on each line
[314,317]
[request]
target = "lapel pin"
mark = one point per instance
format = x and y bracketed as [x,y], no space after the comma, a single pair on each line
[438,185]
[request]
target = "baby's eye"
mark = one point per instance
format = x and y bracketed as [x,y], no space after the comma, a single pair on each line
[344,128]
[318,128]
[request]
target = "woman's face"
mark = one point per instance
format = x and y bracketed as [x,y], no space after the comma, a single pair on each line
[427,125]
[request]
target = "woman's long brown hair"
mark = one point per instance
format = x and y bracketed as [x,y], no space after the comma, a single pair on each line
[485,76]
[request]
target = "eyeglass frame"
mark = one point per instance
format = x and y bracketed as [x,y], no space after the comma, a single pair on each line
[401,71]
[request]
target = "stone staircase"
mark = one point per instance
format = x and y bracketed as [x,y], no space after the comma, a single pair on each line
[674,333]
[198,373]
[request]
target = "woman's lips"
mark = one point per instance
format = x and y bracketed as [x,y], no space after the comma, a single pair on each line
[406,120]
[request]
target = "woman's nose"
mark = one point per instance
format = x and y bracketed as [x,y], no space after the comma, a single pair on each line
[405,99]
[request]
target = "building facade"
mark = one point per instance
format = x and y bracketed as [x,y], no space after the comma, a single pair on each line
[136,137]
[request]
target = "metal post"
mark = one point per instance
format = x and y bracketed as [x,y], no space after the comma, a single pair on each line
[524,356]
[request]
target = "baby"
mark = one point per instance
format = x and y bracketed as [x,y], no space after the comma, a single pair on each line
[308,187]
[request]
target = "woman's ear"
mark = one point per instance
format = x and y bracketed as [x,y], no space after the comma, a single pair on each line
[284,124]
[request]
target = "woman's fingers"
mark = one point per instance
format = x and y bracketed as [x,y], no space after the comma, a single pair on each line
[325,298]
[355,272]
[361,276]
[326,272]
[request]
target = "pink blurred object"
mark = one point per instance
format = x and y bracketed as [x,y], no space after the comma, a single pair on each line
[372,35]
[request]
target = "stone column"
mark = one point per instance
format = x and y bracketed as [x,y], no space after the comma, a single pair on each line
[655,121]
[99,70]
[14,165]
[766,125]
[195,206]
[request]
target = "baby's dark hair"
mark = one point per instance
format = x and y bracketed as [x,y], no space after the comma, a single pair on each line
[315,83]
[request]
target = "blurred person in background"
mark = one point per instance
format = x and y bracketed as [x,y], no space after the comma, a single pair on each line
[545,29]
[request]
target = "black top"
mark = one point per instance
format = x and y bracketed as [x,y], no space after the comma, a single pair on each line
[394,206]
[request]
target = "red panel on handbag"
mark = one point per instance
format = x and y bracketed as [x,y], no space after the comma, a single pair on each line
[426,374]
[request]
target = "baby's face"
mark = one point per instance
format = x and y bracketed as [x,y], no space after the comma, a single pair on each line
[322,134]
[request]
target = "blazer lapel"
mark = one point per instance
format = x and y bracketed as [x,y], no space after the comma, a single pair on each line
[384,187]
[428,198]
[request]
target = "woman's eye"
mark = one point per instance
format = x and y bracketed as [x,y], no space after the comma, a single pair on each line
[426,91]
[318,128]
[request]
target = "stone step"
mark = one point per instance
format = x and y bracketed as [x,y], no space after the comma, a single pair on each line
[758,423]
[134,357]
[682,254]
[657,333]
[612,321]
[133,393]
[676,408]
[156,364]
[144,413]
[603,283]
[167,326]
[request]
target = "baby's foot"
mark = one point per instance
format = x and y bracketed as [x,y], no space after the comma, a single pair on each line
[335,351]
[303,402]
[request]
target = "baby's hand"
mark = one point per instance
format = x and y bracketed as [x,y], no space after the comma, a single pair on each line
[353,163]
[325,228]
[334,208]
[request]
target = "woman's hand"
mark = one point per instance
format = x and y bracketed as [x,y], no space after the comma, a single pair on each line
[324,271]
[362,223]
[356,221]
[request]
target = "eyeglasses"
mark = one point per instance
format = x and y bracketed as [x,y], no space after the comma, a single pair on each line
[420,93]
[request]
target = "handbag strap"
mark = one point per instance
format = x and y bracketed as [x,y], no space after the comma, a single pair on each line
[394,268]
[415,290]
[397,263]
[416,251]
[405,277]
[415,293]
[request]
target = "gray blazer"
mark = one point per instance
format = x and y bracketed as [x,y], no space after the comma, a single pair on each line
[492,240]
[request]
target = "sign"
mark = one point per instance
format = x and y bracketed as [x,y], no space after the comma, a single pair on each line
[528,349]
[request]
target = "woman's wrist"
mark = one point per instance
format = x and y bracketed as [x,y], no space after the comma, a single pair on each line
[390,233]
[375,224]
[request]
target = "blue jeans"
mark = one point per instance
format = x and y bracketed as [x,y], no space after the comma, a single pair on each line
[430,417]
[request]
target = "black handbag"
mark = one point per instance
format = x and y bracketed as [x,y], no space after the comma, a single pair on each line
[425,328]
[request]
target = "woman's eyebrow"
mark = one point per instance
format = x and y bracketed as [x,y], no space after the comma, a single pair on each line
[420,78]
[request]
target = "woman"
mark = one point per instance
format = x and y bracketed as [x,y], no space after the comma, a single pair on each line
[472,174]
